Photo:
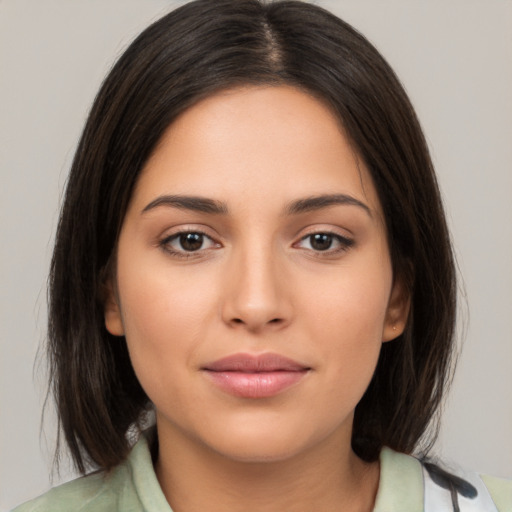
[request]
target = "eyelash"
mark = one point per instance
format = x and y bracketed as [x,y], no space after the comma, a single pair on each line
[165,244]
[344,243]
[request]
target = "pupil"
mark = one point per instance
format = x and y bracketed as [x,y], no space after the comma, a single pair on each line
[191,241]
[321,241]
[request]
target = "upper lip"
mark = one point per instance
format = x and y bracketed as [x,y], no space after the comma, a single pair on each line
[249,363]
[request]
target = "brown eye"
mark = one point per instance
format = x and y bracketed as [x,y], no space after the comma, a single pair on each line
[191,241]
[321,241]
[187,242]
[329,243]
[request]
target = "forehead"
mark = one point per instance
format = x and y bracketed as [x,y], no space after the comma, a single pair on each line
[255,143]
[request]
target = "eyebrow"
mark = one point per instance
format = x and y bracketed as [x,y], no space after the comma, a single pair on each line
[324,201]
[194,203]
[206,205]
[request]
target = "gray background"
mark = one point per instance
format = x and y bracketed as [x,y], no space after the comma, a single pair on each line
[455,59]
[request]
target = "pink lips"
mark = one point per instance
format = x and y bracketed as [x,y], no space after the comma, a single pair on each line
[250,376]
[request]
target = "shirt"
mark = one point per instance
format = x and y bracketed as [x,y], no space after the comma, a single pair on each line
[132,486]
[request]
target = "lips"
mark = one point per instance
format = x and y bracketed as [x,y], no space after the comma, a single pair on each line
[250,376]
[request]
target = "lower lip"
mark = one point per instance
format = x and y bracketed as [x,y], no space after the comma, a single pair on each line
[255,385]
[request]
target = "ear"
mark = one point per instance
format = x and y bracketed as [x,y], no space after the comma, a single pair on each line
[113,317]
[397,312]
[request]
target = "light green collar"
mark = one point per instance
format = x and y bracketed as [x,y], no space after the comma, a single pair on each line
[401,483]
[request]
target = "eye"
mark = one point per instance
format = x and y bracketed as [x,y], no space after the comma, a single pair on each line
[187,242]
[325,242]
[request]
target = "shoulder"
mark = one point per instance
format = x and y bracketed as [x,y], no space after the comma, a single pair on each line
[130,487]
[501,492]
[407,484]
[95,492]
[68,495]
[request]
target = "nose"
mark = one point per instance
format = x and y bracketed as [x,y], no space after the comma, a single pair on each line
[256,296]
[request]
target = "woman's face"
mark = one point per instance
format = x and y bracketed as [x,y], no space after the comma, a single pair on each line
[254,282]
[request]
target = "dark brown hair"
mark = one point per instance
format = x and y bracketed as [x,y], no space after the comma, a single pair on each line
[194,51]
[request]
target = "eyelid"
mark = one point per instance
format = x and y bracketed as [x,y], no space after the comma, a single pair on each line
[344,242]
[164,242]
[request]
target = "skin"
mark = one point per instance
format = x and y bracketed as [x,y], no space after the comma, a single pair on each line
[257,284]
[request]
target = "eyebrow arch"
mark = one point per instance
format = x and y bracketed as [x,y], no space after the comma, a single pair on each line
[194,203]
[324,201]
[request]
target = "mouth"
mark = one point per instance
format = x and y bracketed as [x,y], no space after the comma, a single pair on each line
[255,376]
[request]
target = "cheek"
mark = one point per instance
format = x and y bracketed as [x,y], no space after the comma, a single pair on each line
[158,295]
[352,302]
[165,315]
[347,316]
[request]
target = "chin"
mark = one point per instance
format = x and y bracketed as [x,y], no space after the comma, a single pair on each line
[258,452]
[263,444]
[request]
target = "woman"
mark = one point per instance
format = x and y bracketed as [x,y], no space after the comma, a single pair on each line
[253,247]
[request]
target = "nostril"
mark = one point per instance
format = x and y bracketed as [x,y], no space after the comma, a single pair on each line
[273,321]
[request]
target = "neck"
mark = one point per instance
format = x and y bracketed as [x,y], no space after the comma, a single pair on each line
[195,478]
